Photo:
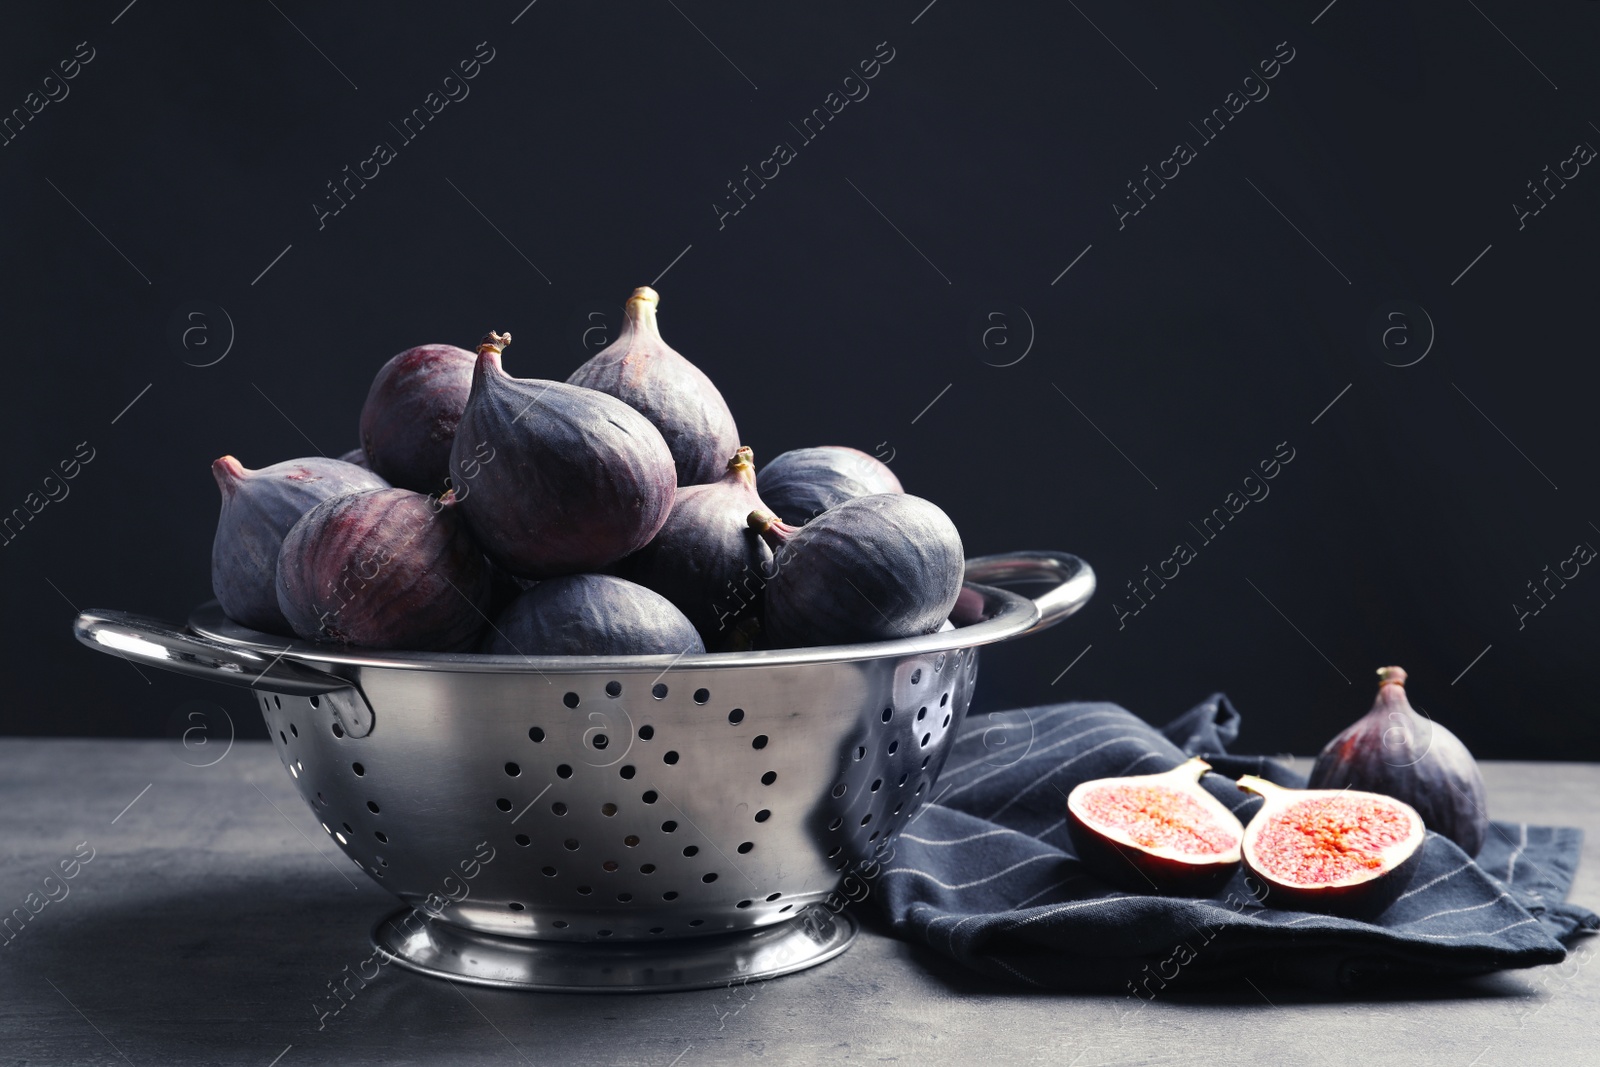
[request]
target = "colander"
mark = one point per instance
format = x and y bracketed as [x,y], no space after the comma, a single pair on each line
[613,822]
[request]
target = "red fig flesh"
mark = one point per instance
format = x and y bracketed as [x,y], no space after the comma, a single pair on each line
[1160,832]
[1397,752]
[644,372]
[408,422]
[554,478]
[1330,850]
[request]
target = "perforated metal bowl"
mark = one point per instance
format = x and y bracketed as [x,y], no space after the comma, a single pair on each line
[625,822]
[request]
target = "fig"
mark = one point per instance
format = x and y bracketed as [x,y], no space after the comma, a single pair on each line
[706,559]
[555,478]
[1340,851]
[408,422]
[1160,832]
[870,569]
[643,371]
[804,482]
[258,509]
[357,457]
[1394,751]
[388,568]
[591,615]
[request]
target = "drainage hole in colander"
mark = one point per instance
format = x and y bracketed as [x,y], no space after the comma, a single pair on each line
[514,906]
[861,753]
[769,777]
[602,933]
[649,796]
[347,828]
[613,689]
[746,846]
[360,770]
[743,904]
[925,760]
[294,770]
[671,894]
[938,663]
[632,840]
[623,898]
[736,716]
[293,731]
[571,843]
[513,770]
[658,929]
[584,890]
[372,806]
[337,836]
[918,793]
[570,700]
[646,732]
[894,746]
[382,862]
[321,799]
[608,810]
[943,700]
[896,810]
[647,868]
[668,826]
[670,758]
[945,723]
[381,836]
[524,840]
[902,780]
[785,908]
[925,739]
[840,790]
[316,702]
[692,850]
[697,922]
[773,896]
[659,691]
[922,713]
[763,815]
[916,676]
[338,731]
[702,695]
[874,836]
[627,770]
[283,737]
[866,818]
[601,741]
[558,808]
[709,878]
[841,865]
[836,823]
[609,866]
[503,804]
[559,924]
[835,851]
[563,771]
[758,741]
[277,702]
[548,872]
[877,784]
[535,734]
[888,713]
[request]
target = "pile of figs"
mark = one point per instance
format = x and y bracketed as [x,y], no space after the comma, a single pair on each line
[1348,844]
[614,513]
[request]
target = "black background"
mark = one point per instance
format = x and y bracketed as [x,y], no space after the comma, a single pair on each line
[1218,322]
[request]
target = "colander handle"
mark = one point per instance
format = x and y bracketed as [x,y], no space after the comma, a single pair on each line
[142,639]
[1072,578]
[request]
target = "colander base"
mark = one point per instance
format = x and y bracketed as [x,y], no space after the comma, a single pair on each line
[447,951]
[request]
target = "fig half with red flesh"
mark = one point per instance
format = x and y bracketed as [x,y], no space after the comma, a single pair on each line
[1156,832]
[1339,851]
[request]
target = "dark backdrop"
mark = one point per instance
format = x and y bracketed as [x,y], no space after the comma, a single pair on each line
[950,273]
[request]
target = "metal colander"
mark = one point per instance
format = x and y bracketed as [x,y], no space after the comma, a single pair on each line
[613,822]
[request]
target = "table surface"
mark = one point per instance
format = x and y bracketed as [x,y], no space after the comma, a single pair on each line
[213,914]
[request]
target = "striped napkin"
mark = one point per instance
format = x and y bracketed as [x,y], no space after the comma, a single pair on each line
[986,874]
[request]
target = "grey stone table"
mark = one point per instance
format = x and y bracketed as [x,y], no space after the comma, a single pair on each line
[212,915]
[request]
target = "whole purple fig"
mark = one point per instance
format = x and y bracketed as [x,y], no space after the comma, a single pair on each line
[1393,750]
[591,615]
[870,569]
[384,569]
[409,420]
[258,509]
[804,482]
[643,371]
[554,478]
[706,559]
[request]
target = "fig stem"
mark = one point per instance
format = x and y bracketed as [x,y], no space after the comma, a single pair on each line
[1387,675]
[1251,783]
[771,528]
[493,342]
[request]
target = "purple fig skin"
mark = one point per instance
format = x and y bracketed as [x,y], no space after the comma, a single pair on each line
[804,482]
[258,509]
[706,559]
[643,371]
[870,569]
[554,478]
[409,420]
[356,457]
[1394,751]
[384,569]
[591,615]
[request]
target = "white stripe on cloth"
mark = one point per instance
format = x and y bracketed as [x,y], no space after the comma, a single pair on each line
[1478,933]
[969,885]
[1033,753]
[1457,911]
[962,840]
[1019,794]
[1434,882]
[1067,907]
[974,734]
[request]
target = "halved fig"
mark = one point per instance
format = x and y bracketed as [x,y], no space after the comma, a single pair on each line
[1330,850]
[1156,832]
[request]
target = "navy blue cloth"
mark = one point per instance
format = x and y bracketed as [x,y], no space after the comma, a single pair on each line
[986,874]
